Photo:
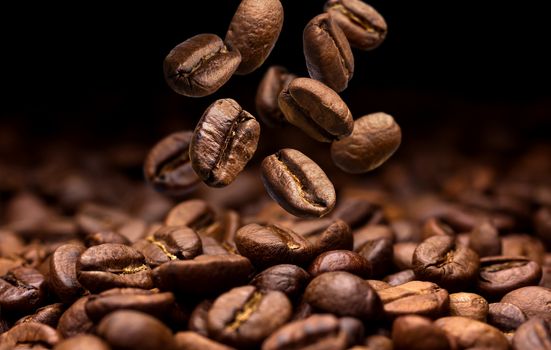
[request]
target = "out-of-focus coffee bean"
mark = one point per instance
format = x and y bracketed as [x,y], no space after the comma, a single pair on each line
[523,245]
[468,305]
[22,289]
[107,236]
[402,253]
[499,275]
[533,301]
[534,334]
[75,320]
[286,278]
[418,333]
[371,233]
[30,336]
[48,315]
[274,81]
[415,297]
[484,240]
[196,214]
[507,317]
[379,253]
[82,342]
[399,278]
[196,341]
[469,333]
[198,318]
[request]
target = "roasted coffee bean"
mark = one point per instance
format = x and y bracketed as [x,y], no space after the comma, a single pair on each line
[167,167]
[195,341]
[355,211]
[21,289]
[196,214]
[333,237]
[340,260]
[374,139]
[343,294]
[418,333]
[468,305]
[106,236]
[403,255]
[533,301]
[377,342]
[82,342]
[274,81]
[92,218]
[254,30]
[271,245]
[327,52]
[127,329]
[200,65]
[523,245]
[316,109]
[533,335]
[112,265]
[353,329]
[440,260]
[29,336]
[146,301]
[370,233]
[48,315]
[507,317]
[212,247]
[63,272]
[75,320]
[363,26]
[499,275]
[484,240]
[469,334]
[399,278]
[170,243]
[198,318]
[415,297]
[314,332]
[435,227]
[298,184]
[224,140]
[378,285]
[204,275]
[288,279]
[245,316]
[379,253]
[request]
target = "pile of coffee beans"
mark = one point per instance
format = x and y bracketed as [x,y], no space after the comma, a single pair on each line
[436,251]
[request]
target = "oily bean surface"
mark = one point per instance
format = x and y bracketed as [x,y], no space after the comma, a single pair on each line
[22,289]
[274,81]
[286,278]
[63,272]
[340,260]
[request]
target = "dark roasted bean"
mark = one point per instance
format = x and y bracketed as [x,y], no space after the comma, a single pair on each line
[274,81]
[533,301]
[29,336]
[340,260]
[289,279]
[198,318]
[48,315]
[63,272]
[21,289]
[399,278]
[415,297]
[196,341]
[499,275]
[75,320]
[379,253]
[484,240]
[507,317]
[196,214]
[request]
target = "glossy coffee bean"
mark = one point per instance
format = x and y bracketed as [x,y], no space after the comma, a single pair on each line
[271,245]
[204,275]
[21,289]
[243,317]
[30,336]
[167,166]
[507,317]
[200,65]
[327,52]
[336,236]
[254,30]
[196,214]
[399,278]
[533,301]
[198,318]
[340,260]
[127,329]
[288,279]
[363,26]
[374,139]
[316,109]
[82,342]
[484,240]
[534,334]
[112,265]
[196,341]
[63,272]
[223,142]
[75,320]
[418,333]
[343,294]
[379,253]
[298,184]
[48,315]
[468,333]
[468,305]
[440,260]
[415,297]
[274,81]
[499,275]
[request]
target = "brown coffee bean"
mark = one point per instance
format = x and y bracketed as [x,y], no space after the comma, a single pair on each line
[82,342]
[415,297]
[355,211]
[92,218]
[399,278]
[298,184]
[195,341]
[468,305]
[370,233]
[327,52]
[21,289]
[403,255]
[167,166]
[374,139]
[30,336]
[507,317]
[288,279]
[48,315]
[75,320]
[63,272]
[127,329]
[198,318]
[440,260]
[533,301]
[484,240]
[435,227]
[499,275]
[196,214]
[200,65]
[363,26]
[224,140]
[336,236]
[418,333]
[316,109]
[274,81]
[245,316]
[343,294]
[378,285]
[379,253]
[534,334]
[468,333]
[340,260]
[254,30]
[377,342]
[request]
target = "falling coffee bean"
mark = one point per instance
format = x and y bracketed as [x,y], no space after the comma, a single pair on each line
[274,81]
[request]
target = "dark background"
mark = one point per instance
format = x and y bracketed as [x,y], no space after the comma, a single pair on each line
[95,71]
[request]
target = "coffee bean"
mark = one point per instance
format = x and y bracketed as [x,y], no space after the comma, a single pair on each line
[484,240]
[418,333]
[499,275]
[63,272]
[370,233]
[48,315]
[403,255]
[468,305]
[112,265]
[435,227]
[106,236]
[468,333]
[196,214]
[224,140]
[254,30]
[274,81]
[92,218]
[204,275]
[316,109]
[399,278]
[127,329]
[533,301]
[343,294]
[363,26]
[21,289]
[212,247]
[167,167]
[353,329]
[355,211]
[271,245]
[200,65]
[507,317]
[377,342]
[440,260]
[288,279]
[245,316]
[374,139]
[82,342]
[379,253]
[298,184]
[327,52]
[533,335]
[198,318]
[415,297]
[378,285]
[195,341]
[336,236]
[75,320]
[340,260]
[30,336]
